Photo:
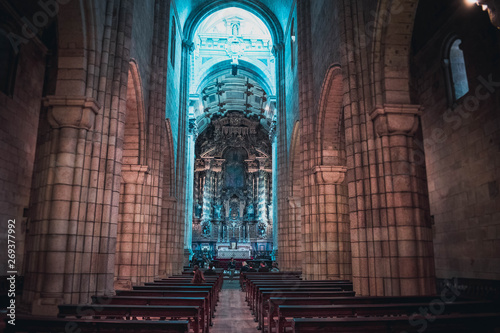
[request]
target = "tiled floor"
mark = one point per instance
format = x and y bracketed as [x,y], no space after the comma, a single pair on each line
[233,314]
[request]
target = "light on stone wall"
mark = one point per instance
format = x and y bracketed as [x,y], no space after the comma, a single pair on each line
[476,2]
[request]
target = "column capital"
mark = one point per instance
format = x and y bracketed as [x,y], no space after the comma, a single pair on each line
[71,111]
[134,173]
[193,127]
[329,174]
[273,129]
[396,119]
[279,47]
[200,165]
[188,45]
[217,164]
[252,165]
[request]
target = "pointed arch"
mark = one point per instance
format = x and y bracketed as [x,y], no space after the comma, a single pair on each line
[76,37]
[393,29]
[290,230]
[328,122]
[169,165]
[134,141]
[295,179]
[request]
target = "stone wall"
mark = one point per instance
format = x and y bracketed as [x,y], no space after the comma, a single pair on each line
[19,118]
[461,140]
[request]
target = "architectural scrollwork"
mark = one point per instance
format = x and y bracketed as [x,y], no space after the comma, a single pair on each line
[233,182]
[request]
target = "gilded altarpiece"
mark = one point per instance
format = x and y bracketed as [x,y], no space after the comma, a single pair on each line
[232,213]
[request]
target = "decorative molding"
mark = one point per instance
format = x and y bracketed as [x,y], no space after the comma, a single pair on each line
[327,175]
[71,111]
[396,119]
[135,173]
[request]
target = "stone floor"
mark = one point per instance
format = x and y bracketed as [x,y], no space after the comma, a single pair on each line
[233,314]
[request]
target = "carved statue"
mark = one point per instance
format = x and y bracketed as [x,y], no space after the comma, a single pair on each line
[261,230]
[198,210]
[206,229]
[218,211]
[250,214]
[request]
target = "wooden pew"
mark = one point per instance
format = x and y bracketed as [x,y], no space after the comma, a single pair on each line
[249,275]
[171,293]
[215,284]
[273,302]
[198,287]
[257,303]
[201,302]
[212,284]
[454,323]
[256,286]
[104,311]
[366,310]
[211,280]
[252,283]
[266,295]
[31,324]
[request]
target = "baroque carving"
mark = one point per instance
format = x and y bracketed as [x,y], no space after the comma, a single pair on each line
[233,181]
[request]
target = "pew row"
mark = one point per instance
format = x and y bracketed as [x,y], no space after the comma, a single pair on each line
[454,323]
[123,312]
[34,324]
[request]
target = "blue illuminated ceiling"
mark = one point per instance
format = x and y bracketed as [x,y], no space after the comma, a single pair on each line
[233,67]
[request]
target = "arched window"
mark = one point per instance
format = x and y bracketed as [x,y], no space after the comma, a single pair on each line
[8,65]
[173,42]
[292,42]
[458,85]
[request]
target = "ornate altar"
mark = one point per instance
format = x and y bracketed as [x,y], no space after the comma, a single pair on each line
[231,250]
[232,186]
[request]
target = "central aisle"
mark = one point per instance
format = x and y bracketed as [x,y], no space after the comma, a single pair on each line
[233,314]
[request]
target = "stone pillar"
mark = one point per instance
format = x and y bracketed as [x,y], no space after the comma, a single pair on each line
[392,247]
[281,159]
[182,149]
[274,191]
[168,237]
[330,230]
[290,233]
[70,117]
[132,232]
[188,234]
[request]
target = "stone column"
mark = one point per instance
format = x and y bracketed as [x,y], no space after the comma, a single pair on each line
[132,233]
[274,191]
[329,238]
[290,234]
[70,117]
[168,241]
[182,149]
[392,248]
[188,233]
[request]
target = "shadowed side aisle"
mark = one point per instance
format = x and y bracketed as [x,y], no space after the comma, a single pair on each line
[233,314]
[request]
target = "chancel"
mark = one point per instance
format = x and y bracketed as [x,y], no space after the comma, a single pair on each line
[245,165]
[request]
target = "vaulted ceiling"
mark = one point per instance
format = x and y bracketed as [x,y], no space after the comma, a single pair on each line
[235,93]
